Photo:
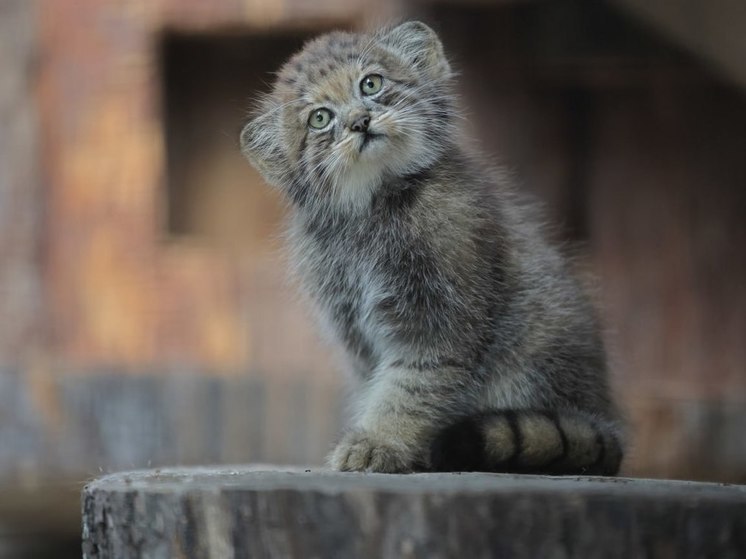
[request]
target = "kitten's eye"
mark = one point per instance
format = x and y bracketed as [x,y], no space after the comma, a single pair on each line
[371,84]
[320,118]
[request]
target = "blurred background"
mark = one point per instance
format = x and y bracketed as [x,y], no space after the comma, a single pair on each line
[145,318]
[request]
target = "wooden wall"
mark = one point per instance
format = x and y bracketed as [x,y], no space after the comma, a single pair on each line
[130,338]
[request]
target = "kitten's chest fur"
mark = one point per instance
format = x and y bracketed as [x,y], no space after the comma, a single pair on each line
[407,278]
[377,278]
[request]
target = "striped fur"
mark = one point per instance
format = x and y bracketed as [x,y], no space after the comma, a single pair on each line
[472,344]
[529,441]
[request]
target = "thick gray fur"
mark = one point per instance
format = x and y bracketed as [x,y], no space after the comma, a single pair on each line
[436,279]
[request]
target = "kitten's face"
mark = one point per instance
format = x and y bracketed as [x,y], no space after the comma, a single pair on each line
[349,112]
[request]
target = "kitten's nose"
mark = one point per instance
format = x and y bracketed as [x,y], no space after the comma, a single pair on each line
[360,124]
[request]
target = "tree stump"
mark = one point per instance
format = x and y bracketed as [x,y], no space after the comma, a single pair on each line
[287,513]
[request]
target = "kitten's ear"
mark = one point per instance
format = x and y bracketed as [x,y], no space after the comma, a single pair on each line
[420,45]
[261,144]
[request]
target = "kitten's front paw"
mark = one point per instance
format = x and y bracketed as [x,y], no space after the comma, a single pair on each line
[361,452]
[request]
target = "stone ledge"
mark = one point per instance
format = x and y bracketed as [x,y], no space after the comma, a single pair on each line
[279,512]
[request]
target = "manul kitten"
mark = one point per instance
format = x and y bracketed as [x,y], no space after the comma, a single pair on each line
[473,346]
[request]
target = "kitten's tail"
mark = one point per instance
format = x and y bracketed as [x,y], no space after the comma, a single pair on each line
[565,442]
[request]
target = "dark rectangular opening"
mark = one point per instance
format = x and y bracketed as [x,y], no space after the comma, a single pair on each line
[209,84]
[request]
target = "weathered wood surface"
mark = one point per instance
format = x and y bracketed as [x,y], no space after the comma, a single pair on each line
[265,512]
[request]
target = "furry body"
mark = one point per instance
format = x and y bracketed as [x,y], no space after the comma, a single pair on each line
[473,345]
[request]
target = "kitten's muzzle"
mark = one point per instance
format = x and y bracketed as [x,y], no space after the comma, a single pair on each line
[360,124]
[367,139]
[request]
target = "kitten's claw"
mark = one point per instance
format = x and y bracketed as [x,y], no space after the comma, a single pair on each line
[359,452]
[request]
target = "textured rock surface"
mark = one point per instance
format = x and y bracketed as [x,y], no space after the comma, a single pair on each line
[270,512]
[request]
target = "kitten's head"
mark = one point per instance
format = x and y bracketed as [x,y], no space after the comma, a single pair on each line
[350,111]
